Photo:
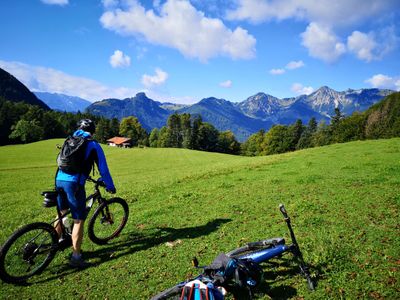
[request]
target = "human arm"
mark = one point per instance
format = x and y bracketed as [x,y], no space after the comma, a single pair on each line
[103,168]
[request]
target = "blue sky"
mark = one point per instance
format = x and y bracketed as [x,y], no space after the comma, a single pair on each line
[182,51]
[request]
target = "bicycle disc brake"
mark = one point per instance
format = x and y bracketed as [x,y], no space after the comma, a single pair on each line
[107,219]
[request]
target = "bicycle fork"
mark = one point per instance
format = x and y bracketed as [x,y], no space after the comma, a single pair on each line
[295,249]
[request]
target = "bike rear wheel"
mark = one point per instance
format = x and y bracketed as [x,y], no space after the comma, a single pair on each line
[27,252]
[108,220]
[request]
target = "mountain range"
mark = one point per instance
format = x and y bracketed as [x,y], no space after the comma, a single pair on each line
[63,102]
[260,111]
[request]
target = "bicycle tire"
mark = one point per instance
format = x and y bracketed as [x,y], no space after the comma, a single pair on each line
[255,247]
[23,247]
[103,225]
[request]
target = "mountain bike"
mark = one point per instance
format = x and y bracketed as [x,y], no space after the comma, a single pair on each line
[256,253]
[30,249]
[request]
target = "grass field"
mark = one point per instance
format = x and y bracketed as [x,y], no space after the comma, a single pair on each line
[344,202]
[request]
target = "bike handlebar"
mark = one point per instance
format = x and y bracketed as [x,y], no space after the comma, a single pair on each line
[283,211]
[98,182]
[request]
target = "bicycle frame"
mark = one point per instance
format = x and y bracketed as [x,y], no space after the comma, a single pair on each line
[96,195]
[280,248]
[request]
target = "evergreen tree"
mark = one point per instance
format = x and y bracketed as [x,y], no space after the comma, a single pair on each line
[295,130]
[186,128]
[174,131]
[335,124]
[114,127]
[323,135]
[194,139]
[163,138]
[103,130]
[207,137]
[154,137]
[305,140]
[337,117]
[52,128]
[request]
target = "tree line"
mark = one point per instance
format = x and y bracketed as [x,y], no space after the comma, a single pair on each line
[181,131]
[25,123]
[381,120]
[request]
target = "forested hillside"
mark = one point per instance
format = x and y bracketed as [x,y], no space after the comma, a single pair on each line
[13,90]
[382,120]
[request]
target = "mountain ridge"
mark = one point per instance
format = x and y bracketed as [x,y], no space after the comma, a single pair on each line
[62,102]
[244,118]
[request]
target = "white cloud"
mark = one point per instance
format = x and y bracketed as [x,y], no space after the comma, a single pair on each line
[384,82]
[50,80]
[158,79]
[299,89]
[277,71]
[42,79]
[110,3]
[295,65]
[55,2]
[324,17]
[289,66]
[374,45]
[362,45]
[120,60]
[177,24]
[322,43]
[226,84]
[327,12]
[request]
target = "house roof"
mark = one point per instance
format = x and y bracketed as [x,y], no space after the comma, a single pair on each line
[119,140]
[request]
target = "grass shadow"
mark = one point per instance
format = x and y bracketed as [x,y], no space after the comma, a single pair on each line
[280,269]
[132,242]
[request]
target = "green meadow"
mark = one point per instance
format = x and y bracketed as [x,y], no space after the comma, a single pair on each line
[343,200]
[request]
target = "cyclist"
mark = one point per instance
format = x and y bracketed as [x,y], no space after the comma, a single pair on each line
[74,188]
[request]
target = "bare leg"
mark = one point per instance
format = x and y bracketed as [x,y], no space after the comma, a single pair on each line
[77,236]
[57,225]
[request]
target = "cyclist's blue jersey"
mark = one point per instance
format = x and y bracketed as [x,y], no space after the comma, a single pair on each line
[93,153]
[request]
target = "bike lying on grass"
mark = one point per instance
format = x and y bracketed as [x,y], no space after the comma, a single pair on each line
[238,271]
[30,249]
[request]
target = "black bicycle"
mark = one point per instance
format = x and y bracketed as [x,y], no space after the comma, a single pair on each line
[30,249]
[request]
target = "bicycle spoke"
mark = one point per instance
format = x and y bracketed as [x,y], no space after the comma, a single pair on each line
[28,251]
[108,220]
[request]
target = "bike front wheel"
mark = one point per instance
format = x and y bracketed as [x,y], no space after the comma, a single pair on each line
[27,252]
[108,220]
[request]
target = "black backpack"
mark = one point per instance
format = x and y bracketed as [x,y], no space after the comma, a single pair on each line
[72,155]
